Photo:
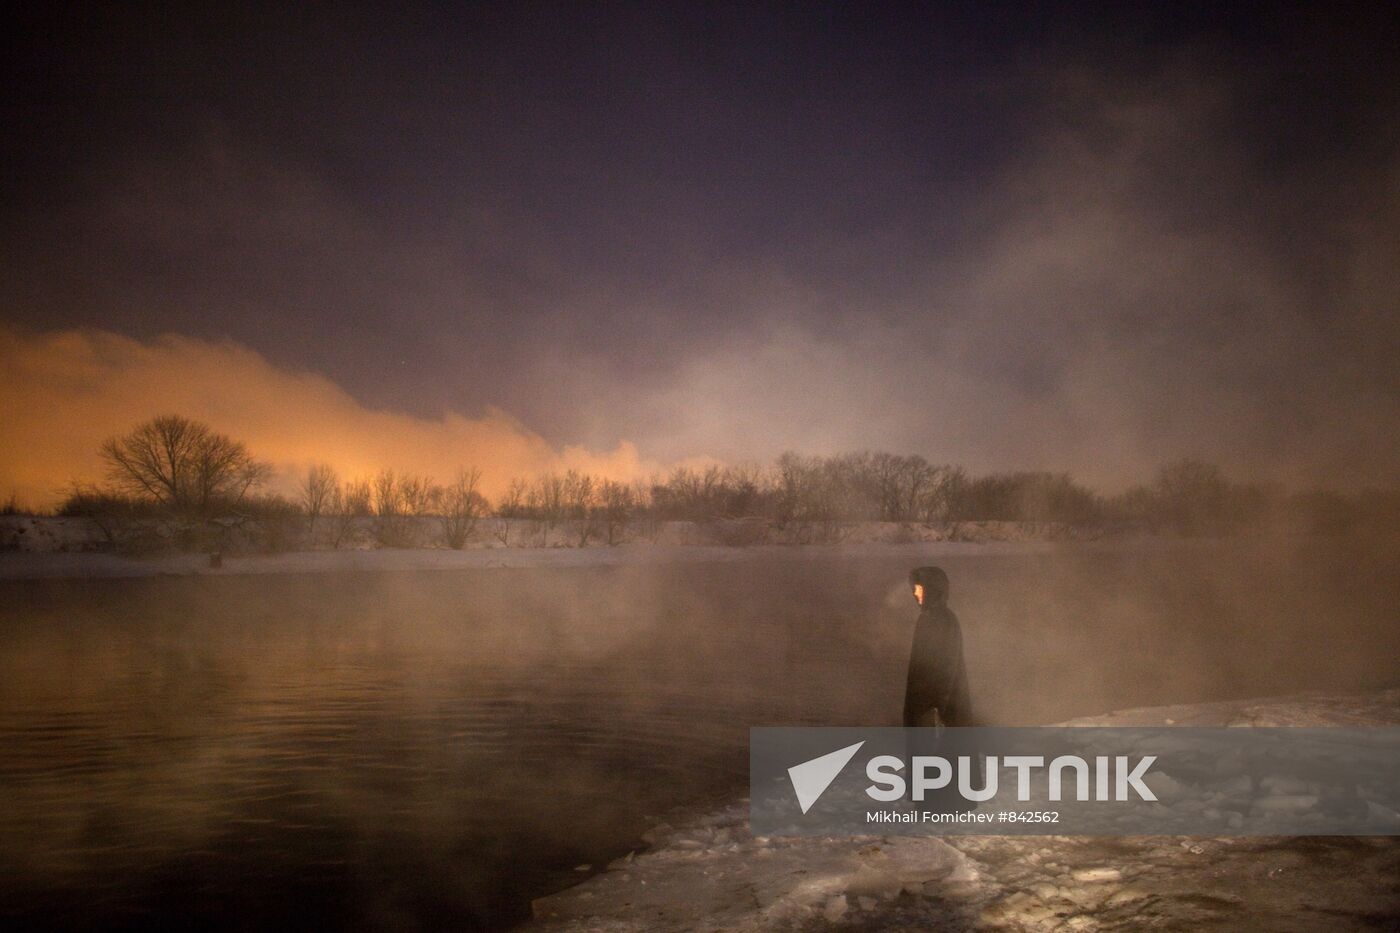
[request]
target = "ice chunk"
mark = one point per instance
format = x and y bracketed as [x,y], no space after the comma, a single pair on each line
[1097,875]
[622,862]
[1286,804]
[1238,786]
[1381,813]
[965,872]
[835,908]
[870,880]
[1278,785]
[1020,908]
[1164,785]
[1230,763]
[1125,895]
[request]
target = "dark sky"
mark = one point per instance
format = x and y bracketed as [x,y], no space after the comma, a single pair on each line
[1051,236]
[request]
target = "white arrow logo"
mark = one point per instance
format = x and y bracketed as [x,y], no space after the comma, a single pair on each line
[811,778]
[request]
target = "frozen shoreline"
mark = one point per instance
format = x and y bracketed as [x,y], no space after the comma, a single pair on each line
[52,547]
[37,565]
[712,874]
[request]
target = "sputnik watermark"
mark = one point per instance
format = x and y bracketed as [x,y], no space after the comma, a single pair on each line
[928,773]
[1084,780]
[890,785]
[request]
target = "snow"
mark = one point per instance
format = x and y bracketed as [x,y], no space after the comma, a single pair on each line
[1312,709]
[59,534]
[711,874]
[30,565]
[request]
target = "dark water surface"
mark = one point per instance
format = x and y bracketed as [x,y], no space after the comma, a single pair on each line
[431,749]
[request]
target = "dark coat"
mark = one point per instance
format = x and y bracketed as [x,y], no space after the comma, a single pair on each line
[936,692]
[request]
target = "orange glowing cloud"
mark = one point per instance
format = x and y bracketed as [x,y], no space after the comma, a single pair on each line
[65,392]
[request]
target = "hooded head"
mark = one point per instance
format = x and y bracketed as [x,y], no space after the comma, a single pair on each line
[930,585]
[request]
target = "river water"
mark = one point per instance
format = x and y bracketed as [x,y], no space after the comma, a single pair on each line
[431,749]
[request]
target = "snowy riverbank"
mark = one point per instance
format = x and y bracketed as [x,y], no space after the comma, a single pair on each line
[712,874]
[34,565]
[49,534]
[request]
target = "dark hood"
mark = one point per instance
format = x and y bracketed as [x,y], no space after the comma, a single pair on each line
[934,582]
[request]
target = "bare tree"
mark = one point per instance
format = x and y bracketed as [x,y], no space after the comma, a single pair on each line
[513,501]
[390,526]
[649,519]
[883,478]
[544,503]
[794,486]
[398,499]
[512,506]
[182,464]
[579,495]
[316,492]
[742,489]
[347,504]
[418,494]
[1190,497]
[385,486]
[462,506]
[915,477]
[550,493]
[617,505]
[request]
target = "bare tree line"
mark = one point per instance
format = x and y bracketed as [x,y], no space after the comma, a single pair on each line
[174,466]
[392,502]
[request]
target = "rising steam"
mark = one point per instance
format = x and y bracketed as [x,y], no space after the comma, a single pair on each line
[69,390]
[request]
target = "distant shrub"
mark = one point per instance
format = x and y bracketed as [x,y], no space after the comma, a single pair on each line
[87,501]
[1024,497]
[1189,497]
[125,522]
[1321,512]
[270,524]
[741,532]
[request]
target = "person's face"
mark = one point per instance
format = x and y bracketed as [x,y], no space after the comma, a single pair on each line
[919,593]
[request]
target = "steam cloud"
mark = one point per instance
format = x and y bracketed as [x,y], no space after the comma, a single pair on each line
[1137,281]
[70,390]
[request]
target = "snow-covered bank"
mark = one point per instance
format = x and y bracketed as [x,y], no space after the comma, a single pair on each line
[288,533]
[712,874]
[53,565]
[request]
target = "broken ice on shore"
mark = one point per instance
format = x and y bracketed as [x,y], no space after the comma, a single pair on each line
[713,874]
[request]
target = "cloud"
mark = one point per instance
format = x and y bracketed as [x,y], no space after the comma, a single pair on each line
[1138,277]
[1132,289]
[69,390]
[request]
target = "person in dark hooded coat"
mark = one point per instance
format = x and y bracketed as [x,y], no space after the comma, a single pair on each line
[936,693]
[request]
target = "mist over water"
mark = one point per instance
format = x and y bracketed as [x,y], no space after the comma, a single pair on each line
[428,748]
